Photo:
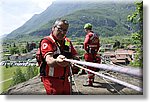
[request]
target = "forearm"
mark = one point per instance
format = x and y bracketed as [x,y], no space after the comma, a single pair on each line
[51,61]
[56,62]
[86,43]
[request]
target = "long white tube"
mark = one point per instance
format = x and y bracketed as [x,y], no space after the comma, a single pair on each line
[112,79]
[130,71]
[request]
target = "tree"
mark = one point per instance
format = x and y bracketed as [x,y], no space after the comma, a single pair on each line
[18,77]
[14,50]
[27,46]
[30,46]
[31,72]
[137,18]
[116,44]
[23,50]
[14,45]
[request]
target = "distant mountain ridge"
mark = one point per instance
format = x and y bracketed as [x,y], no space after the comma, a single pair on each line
[56,10]
[107,18]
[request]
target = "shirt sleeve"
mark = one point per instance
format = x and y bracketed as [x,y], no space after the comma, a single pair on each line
[46,47]
[87,37]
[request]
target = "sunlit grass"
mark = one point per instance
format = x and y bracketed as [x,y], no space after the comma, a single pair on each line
[7,73]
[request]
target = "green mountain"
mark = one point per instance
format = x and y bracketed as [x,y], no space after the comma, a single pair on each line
[108,19]
[56,10]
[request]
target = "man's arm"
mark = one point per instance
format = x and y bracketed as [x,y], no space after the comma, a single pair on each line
[86,43]
[56,62]
[50,60]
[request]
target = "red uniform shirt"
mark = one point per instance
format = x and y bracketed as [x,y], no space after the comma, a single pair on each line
[51,47]
[91,41]
[91,45]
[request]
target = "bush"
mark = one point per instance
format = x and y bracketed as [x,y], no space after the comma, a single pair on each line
[31,72]
[18,77]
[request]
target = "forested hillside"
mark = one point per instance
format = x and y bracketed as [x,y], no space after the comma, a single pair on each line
[108,19]
[54,11]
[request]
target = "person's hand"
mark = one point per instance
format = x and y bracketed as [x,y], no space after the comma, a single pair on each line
[60,58]
[60,61]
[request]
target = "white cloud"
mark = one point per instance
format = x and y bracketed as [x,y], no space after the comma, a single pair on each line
[43,5]
[14,13]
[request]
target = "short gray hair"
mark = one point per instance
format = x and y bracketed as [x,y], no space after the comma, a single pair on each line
[57,22]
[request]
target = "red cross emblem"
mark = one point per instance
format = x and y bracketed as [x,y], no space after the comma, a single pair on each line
[45,45]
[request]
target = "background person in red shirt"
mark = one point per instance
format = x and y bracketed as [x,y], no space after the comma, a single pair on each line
[91,46]
[55,48]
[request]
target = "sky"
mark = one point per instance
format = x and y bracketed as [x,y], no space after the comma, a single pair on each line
[14,13]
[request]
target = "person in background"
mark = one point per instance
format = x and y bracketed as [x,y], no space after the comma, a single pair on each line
[91,47]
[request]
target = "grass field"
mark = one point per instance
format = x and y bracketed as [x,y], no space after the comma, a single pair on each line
[6,75]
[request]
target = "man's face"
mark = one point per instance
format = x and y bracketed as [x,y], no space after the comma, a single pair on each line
[60,30]
[85,30]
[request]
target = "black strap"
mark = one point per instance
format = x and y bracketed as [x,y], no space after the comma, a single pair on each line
[57,43]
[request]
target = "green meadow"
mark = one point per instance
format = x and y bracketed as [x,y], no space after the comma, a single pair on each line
[7,75]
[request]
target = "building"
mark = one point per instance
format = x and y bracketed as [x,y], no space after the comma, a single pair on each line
[23,57]
[108,55]
[106,47]
[78,47]
[120,56]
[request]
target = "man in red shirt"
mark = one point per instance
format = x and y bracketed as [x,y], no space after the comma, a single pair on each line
[55,48]
[91,46]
